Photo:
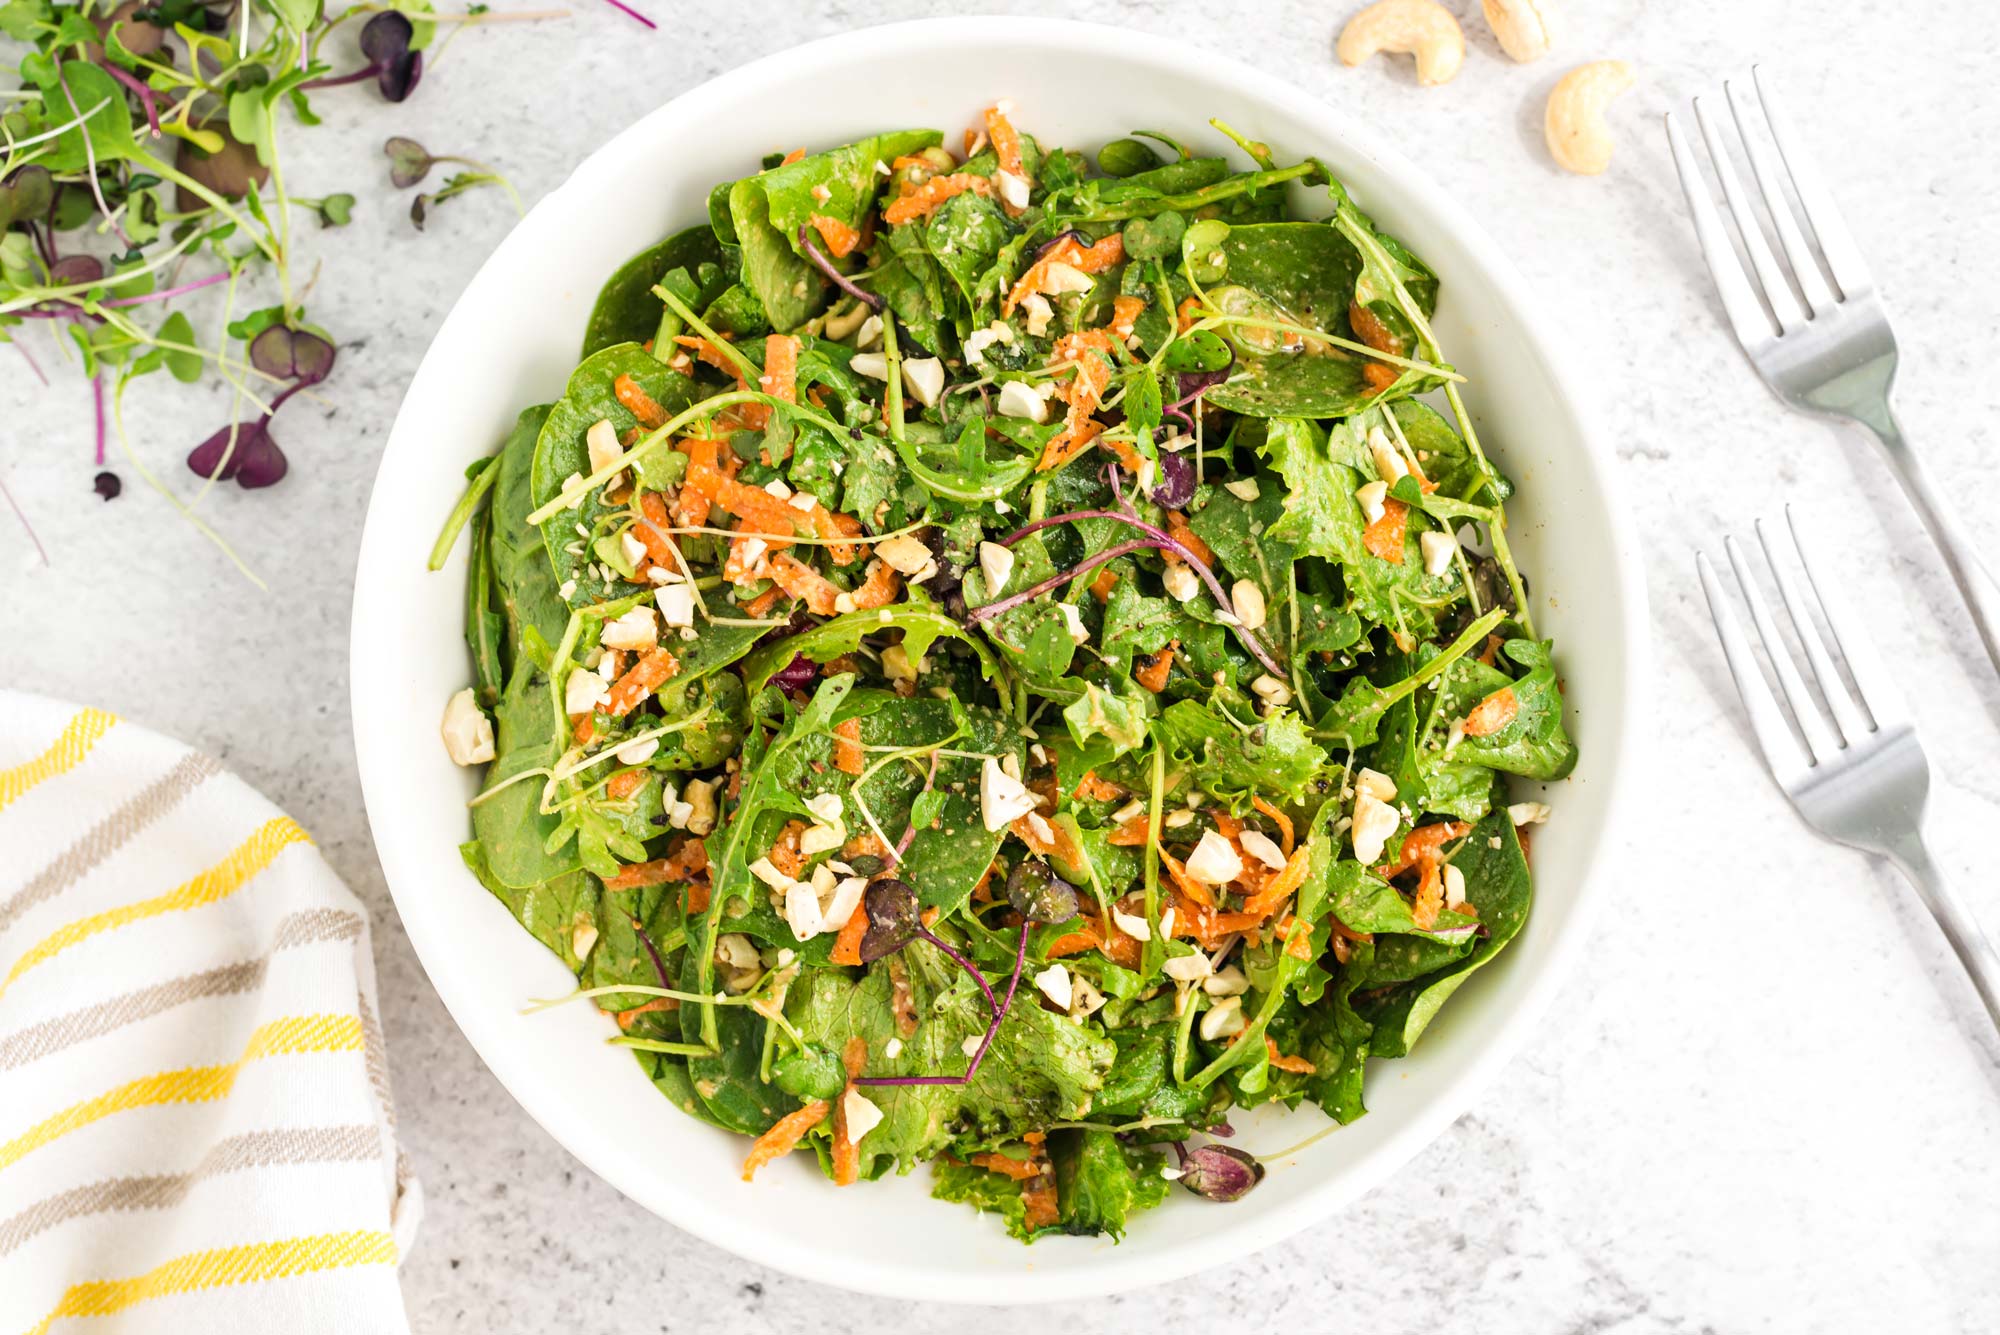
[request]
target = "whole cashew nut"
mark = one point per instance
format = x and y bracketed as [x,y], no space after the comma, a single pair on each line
[1421,28]
[1579,138]
[1526,28]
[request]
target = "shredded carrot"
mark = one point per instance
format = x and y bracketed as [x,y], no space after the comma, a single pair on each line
[1184,314]
[801,581]
[1006,146]
[1189,886]
[652,535]
[1424,844]
[784,1137]
[792,157]
[1039,1195]
[1085,259]
[625,783]
[846,1155]
[1493,713]
[1106,581]
[1132,834]
[1018,1169]
[1296,1065]
[848,757]
[1091,351]
[1428,902]
[1280,887]
[1066,444]
[1379,376]
[697,897]
[1278,818]
[1178,530]
[839,237]
[1124,311]
[625,1017]
[582,730]
[1384,537]
[1152,672]
[645,677]
[639,403]
[781,368]
[638,874]
[1093,789]
[923,200]
[847,946]
[763,602]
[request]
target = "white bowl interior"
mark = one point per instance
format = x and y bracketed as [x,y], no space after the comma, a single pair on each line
[511,341]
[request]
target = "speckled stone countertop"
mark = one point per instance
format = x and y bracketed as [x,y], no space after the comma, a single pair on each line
[1766,1102]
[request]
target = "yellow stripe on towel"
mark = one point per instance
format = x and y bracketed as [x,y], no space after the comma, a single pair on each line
[221,1268]
[193,1084]
[71,745]
[225,878]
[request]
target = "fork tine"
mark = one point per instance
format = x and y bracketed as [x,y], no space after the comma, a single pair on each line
[1879,692]
[1777,290]
[1804,709]
[1746,314]
[1846,717]
[1781,749]
[1843,257]
[1819,297]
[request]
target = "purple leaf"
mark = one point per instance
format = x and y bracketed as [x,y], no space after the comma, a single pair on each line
[409,161]
[1038,894]
[1176,487]
[795,675]
[107,485]
[1219,1172]
[893,922]
[72,269]
[385,40]
[26,195]
[256,460]
[292,354]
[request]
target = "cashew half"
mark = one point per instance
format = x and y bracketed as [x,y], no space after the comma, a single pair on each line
[1579,138]
[1421,28]
[1526,28]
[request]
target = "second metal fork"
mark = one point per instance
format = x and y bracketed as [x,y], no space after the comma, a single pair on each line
[1835,354]
[1861,779]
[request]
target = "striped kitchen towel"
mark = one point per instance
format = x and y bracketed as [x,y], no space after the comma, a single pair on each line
[196,1133]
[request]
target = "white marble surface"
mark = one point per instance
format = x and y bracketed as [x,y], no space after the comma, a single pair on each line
[1767,1102]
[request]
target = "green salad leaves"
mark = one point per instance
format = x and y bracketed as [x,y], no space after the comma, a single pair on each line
[996,659]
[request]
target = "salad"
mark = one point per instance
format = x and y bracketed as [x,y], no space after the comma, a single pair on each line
[994,661]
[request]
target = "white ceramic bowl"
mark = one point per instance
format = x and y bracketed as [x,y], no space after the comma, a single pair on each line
[511,341]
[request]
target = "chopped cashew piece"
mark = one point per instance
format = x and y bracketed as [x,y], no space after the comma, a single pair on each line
[996,563]
[1055,985]
[1039,313]
[925,379]
[1002,798]
[1260,846]
[1528,813]
[874,365]
[1454,886]
[1243,489]
[905,554]
[638,753]
[1374,498]
[676,604]
[1227,982]
[1132,925]
[602,443]
[700,799]
[1372,783]
[1013,190]
[1248,601]
[802,913]
[1214,860]
[1374,822]
[1389,465]
[1059,278]
[1223,1020]
[861,1114]
[1193,968]
[1018,400]
[468,733]
[1182,583]
[1439,549]
[636,629]
[584,691]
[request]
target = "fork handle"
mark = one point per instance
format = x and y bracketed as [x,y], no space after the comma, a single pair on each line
[1968,941]
[1982,594]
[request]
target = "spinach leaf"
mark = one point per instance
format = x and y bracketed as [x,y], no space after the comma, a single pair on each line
[510,824]
[522,579]
[1498,885]
[729,1083]
[561,451]
[557,912]
[627,311]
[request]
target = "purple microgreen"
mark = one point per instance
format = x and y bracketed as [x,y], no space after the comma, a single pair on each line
[1219,1172]
[140,91]
[1192,385]
[25,195]
[409,161]
[620,5]
[75,270]
[1072,234]
[795,675]
[1000,1010]
[1176,487]
[22,515]
[653,951]
[243,451]
[292,354]
[170,293]
[97,403]
[231,171]
[893,921]
[1155,537]
[839,279]
[107,485]
[1038,894]
[385,40]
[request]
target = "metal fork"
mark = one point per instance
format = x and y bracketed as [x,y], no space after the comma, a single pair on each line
[1861,780]
[1836,354]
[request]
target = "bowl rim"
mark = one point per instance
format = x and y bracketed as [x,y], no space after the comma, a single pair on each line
[1118,1269]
